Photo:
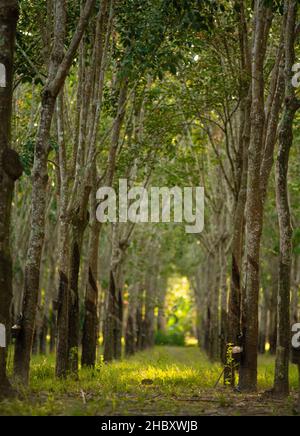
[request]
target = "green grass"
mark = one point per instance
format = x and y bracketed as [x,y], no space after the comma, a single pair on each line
[162,381]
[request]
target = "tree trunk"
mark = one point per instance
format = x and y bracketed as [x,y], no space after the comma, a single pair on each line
[77,231]
[254,207]
[295,287]
[273,320]
[110,320]
[10,170]
[62,303]
[131,327]
[130,336]
[52,331]
[90,327]
[43,336]
[35,342]
[91,120]
[119,324]
[139,329]
[281,383]
[161,316]
[214,343]
[235,292]
[38,207]
[224,311]
[58,70]
[263,320]
[114,314]
[149,320]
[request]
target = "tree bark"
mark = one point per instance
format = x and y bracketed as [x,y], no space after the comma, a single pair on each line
[109,323]
[161,316]
[150,303]
[62,302]
[90,327]
[281,382]
[114,315]
[235,294]
[10,170]
[254,207]
[78,227]
[224,304]
[272,330]
[131,327]
[58,69]
[214,343]
[263,319]
[139,326]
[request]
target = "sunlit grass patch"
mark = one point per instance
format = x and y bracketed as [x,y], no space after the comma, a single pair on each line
[160,380]
[266,369]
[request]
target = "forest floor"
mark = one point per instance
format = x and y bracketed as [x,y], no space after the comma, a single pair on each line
[162,381]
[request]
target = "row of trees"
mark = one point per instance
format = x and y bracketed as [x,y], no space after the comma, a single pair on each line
[162,94]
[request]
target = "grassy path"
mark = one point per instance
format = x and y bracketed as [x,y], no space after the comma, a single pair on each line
[162,381]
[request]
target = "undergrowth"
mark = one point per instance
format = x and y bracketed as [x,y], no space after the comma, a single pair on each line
[165,380]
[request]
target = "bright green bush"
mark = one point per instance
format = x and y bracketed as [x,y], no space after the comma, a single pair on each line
[173,338]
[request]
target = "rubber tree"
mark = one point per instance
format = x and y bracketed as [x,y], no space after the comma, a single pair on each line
[265,110]
[10,171]
[291,105]
[59,66]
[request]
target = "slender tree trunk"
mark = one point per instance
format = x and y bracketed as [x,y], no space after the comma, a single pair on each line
[150,303]
[161,316]
[254,207]
[281,383]
[114,315]
[206,309]
[273,320]
[52,331]
[119,324]
[101,45]
[295,288]
[224,304]
[235,294]
[90,328]
[43,336]
[131,328]
[63,240]
[139,326]
[59,67]
[62,301]
[32,269]
[130,336]
[10,170]
[38,207]
[35,343]
[110,320]
[77,231]
[214,348]
[263,321]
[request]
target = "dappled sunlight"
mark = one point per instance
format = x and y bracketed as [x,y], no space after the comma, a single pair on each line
[149,207]
[163,379]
